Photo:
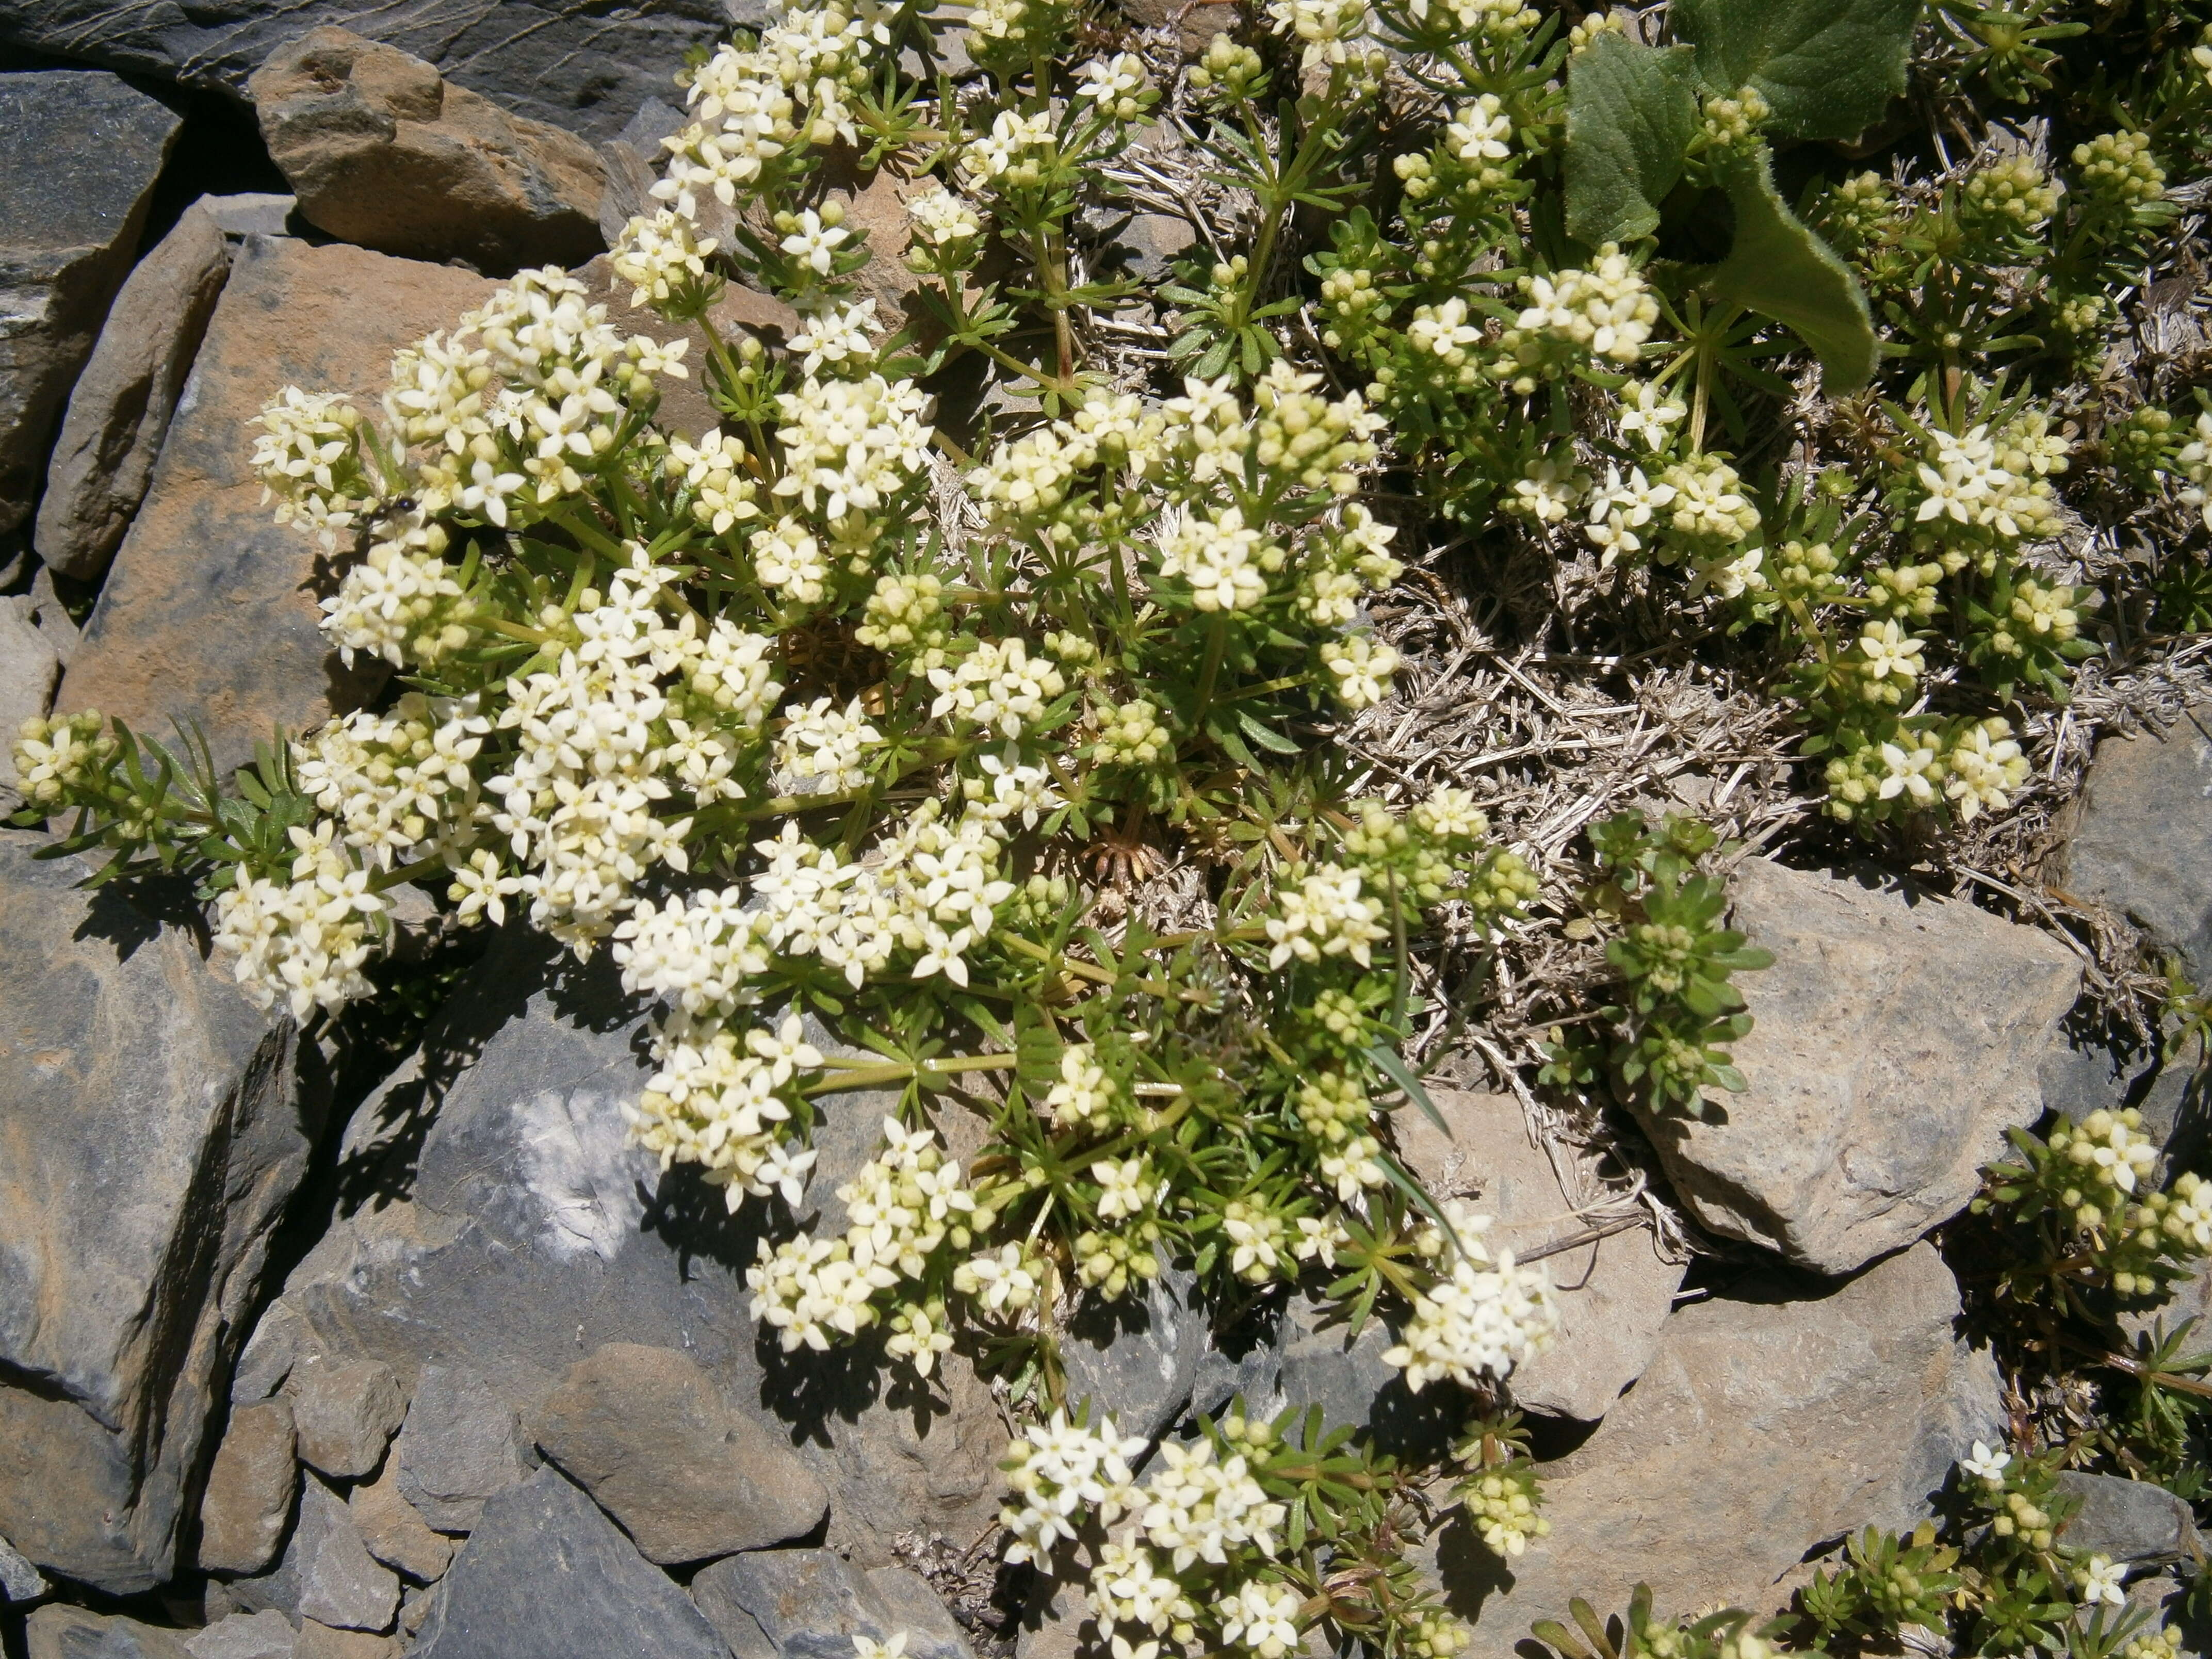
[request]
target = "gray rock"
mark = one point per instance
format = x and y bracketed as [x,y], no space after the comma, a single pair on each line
[909,1604]
[382,152]
[20,1581]
[1325,1363]
[461,1443]
[65,1632]
[2142,836]
[1896,1039]
[808,1604]
[248,1501]
[210,612]
[340,1583]
[518,1231]
[346,1414]
[1612,1294]
[1766,1422]
[1246,1363]
[50,615]
[2078,1081]
[120,409]
[632,159]
[395,1531]
[584,64]
[264,1635]
[30,669]
[547,1573]
[268,1356]
[1137,1358]
[645,1431]
[251,213]
[79,153]
[155,1128]
[2129,1521]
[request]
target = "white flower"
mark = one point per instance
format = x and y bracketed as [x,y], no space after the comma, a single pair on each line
[1889,650]
[1985,1464]
[893,1648]
[814,244]
[2100,1579]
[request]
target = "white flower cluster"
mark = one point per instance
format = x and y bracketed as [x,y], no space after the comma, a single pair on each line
[1482,1317]
[903,1205]
[1605,311]
[1198,1509]
[1330,29]
[997,687]
[1062,1473]
[306,938]
[1320,911]
[1226,560]
[1999,484]
[851,446]
[576,801]
[396,782]
[1014,154]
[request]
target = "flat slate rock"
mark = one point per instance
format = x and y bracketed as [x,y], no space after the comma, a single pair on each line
[495,1218]
[122,402]
[153,1127]
[248,1501]
[79,153]
[546,1575]
[1896,1037]
[1613,1294]
[210,614]
[2141,834]
[584,64]
[1767,1421]
[647,1433]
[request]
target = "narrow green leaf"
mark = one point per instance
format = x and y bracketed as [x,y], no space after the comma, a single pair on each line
[1387,1062]
[1830,68]
[1631,112]
[1781,269]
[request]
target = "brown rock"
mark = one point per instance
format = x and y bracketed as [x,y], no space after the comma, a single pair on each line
[209,613]
[383,151]
[394,1530]
[645,1431]
[1896,1037]
[1765,1423]
[248,1501]
[321,1642]
[65,1632]
[1612,1293]
[120,409]
[79,150]
[346,1415]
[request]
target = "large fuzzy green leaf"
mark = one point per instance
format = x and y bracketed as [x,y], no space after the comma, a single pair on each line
[1780,269]
[1828,67]
[1631,112]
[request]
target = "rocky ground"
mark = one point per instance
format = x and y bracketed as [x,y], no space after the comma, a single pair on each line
[384,1340]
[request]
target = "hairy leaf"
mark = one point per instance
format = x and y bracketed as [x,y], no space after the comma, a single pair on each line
[1781,269]
[1828,67]
[1631,112]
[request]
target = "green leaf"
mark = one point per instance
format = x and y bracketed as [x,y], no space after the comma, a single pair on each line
[1631,112]
[1779,269]
[1830,68]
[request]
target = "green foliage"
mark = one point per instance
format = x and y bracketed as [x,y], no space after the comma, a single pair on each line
[1829,68]
[1677,1006]
[1632,113]
[1779,269]
[2081,1217]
